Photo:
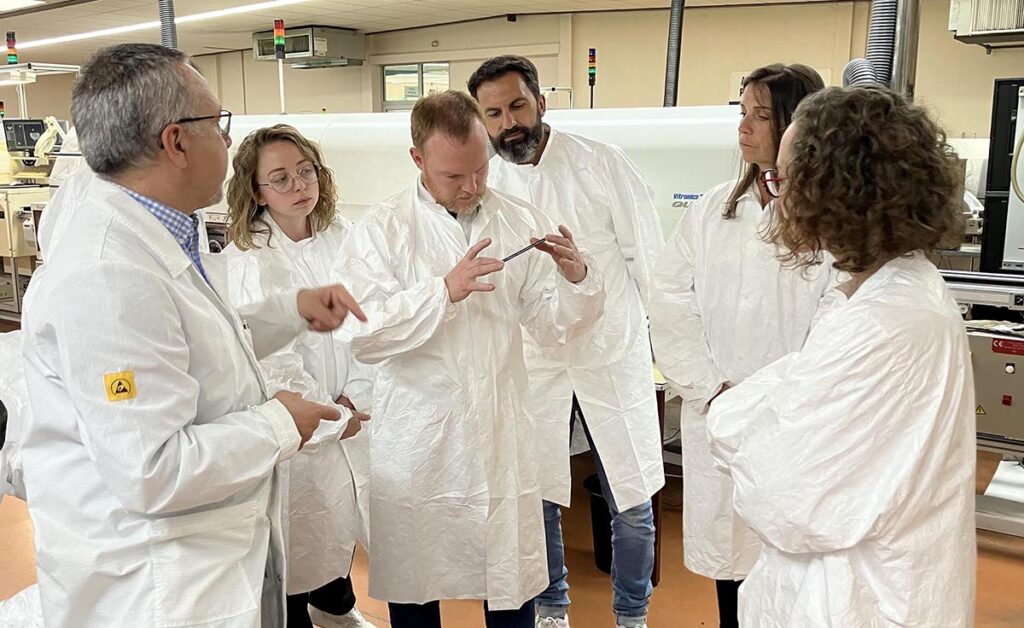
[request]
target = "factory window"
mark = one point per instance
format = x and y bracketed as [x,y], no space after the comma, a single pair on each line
[404,84]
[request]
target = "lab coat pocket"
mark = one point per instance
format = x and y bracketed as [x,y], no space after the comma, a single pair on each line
[198,568]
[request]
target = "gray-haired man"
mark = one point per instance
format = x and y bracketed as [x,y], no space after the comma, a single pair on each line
[151,461]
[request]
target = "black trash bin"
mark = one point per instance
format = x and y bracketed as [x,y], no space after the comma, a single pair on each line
[601,523]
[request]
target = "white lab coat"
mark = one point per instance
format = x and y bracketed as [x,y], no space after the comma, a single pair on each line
[14,395]
[854,461]
[327,479]
[722,307]
[64,203]
[163,509]
[596,191]
[455,507]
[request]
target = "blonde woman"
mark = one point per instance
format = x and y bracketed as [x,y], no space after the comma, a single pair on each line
[285,232]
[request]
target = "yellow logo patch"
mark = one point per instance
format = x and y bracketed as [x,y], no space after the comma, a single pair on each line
[120,386]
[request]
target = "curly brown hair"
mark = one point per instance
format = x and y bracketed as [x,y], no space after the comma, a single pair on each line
[245,214]
[870,178]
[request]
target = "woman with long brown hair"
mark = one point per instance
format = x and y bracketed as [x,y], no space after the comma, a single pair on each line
[853,459]
[285,232]
[723,306]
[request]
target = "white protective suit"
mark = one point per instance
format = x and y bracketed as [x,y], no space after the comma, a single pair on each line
[23,610]
[14,396]
[455,507]
[595,190]
[854,460]
[722,307]
[151,456]
[327,479]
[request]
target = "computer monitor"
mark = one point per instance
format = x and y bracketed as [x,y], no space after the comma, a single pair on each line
[22,135]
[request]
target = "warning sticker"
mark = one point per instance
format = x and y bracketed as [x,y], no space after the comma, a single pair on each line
[980,410]
[120,386]
[1007,346]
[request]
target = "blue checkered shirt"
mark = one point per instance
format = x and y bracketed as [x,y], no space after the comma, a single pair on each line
[183,227]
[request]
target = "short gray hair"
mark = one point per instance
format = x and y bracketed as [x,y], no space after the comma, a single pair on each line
[125,97]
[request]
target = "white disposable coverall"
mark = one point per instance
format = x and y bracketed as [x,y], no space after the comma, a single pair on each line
[327,478]
[23,610]
[596,191]
[854,462]
[722,306]
[164,508]
[14,395]
[455,507]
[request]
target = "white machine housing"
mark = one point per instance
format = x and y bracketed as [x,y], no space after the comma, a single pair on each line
[683,151]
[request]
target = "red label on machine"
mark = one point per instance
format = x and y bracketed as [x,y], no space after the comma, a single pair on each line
[1008,347]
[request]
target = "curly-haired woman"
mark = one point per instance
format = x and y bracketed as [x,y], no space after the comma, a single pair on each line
[853,459]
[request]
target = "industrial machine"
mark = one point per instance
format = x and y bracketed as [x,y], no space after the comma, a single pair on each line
[1003,240]
[997,356]
[683,151]
[29,146]
[17,244]
[993,304]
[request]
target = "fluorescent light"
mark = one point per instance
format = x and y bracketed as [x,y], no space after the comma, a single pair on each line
[11,5]
[106,32]
[130,28]
[248,8]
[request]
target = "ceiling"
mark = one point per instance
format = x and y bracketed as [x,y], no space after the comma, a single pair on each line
[68,17]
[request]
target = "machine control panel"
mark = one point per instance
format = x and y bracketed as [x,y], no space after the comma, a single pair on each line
[998,386]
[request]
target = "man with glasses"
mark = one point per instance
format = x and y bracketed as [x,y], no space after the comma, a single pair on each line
[151,462]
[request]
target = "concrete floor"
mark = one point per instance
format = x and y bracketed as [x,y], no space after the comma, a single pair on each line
[683,599]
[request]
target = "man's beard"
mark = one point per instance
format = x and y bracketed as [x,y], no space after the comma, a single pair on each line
[459,206]
[522,150]
[455,204]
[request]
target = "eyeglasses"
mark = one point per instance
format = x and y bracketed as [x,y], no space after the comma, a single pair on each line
[284,182]
[772,182]
[223,119]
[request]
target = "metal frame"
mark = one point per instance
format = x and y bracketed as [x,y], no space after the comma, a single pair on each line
[39,69]
[992,513]
[998,290]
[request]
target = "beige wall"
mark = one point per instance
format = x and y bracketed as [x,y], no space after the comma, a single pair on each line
[631,50]
[717,42]
[954,79]
[48,96]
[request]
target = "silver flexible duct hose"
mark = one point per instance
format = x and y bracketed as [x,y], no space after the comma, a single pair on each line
[882,38]
[675,41]
[877,68]
[168,29]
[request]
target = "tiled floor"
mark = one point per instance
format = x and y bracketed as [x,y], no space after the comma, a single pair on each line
[682,600]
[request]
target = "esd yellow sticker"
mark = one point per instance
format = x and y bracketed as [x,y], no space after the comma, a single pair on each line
[120,386]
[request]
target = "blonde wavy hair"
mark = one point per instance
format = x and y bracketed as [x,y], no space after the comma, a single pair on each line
[246,217]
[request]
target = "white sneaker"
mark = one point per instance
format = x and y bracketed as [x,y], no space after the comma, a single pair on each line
[552,622]
[643,625]
[352,619]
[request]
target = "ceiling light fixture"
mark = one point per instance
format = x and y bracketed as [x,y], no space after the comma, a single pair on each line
[13,5]
[185,19]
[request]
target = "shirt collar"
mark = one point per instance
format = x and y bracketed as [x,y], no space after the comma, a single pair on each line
[180,225]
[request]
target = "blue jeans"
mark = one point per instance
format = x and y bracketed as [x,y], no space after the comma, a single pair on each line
[632,555]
